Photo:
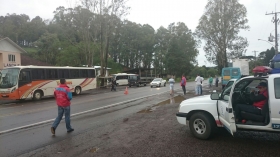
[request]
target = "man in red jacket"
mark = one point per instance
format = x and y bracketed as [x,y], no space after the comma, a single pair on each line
[63,97]
[259,101]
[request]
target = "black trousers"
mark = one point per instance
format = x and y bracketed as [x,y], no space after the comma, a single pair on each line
[184,89]
[247,108]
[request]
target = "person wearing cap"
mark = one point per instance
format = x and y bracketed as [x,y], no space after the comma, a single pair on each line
[258,102]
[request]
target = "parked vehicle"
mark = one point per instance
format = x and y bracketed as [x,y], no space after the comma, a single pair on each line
[240,68]
[121,78]
[157,82]
[275,64]
[134,80]
[22,82]
[205,113]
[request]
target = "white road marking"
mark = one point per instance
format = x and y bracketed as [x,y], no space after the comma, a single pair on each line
[76,114]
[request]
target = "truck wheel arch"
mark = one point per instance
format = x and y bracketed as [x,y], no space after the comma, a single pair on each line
[203,111]
[202,125]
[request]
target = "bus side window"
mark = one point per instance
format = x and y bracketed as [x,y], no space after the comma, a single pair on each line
[84,73]
[51,73]
[38,74]
[74,73]
[91,73]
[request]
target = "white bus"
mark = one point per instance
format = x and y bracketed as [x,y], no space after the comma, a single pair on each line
[22,82]
[121,78]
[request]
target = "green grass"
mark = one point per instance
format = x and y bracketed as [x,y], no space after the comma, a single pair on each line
[30,49]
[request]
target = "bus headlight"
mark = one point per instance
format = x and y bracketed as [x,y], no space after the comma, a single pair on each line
[13,90]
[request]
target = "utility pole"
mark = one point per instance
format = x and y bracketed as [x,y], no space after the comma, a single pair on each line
[275,20]
[255,54]
[255,57]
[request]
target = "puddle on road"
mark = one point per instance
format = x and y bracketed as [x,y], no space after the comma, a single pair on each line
[172,100]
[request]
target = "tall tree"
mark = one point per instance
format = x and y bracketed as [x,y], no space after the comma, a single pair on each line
[106,10]
[266,56]
[49,47]
[182,50]
[162,43]
[219,27]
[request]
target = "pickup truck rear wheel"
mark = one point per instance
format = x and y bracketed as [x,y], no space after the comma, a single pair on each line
[202,125]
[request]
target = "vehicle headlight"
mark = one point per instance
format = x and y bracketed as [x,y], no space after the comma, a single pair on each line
[13,90]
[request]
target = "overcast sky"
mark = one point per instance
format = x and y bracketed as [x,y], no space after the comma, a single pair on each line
[163,12]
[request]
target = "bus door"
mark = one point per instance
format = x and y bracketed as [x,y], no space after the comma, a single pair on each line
[24,78]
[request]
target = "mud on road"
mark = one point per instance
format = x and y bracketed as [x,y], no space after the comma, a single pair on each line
[154,131]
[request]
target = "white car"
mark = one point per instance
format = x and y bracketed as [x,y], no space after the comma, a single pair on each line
[157,82]
[205,113]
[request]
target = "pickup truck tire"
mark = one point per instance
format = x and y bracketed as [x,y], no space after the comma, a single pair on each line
[159,85]
[202,125]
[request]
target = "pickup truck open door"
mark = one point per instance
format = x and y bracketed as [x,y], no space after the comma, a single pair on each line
[224,107]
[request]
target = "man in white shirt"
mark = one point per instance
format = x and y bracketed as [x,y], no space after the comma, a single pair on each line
[198,86]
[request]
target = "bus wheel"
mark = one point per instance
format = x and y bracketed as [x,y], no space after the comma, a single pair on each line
[77,90]
[37,95]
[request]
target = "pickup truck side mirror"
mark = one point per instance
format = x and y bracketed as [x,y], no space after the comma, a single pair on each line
[215,96]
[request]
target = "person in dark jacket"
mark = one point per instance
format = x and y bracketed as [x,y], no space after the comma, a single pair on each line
[114,84]
[259,101]
[63,97]
[216,81]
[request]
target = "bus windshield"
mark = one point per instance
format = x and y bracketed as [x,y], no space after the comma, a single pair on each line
[9,78]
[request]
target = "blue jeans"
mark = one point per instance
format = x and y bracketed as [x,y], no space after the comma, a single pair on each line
[198,89]
[66,111]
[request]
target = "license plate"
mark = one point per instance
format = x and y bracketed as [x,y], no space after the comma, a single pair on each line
[276,126]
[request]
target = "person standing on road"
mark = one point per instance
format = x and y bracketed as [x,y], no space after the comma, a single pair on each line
[210,81]
[217,81]
[202,79]
[114,84]
[198,81]
[183,84]
[63,97]
[171,85]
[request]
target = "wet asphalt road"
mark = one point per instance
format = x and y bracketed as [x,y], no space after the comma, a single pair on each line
[139,128]
[154,131]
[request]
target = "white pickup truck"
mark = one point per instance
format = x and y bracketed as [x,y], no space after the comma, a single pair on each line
[205,113]
[157,82]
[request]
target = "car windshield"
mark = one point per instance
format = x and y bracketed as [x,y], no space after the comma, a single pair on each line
[9,78]
[157,79]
